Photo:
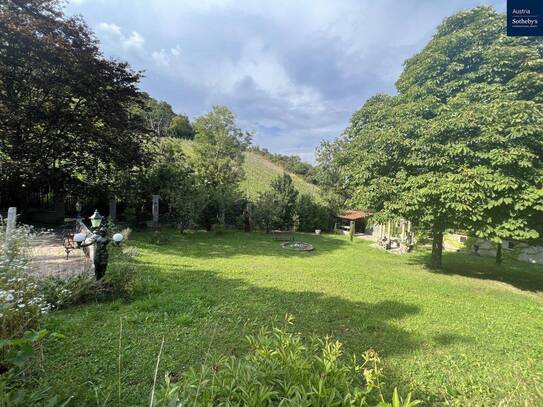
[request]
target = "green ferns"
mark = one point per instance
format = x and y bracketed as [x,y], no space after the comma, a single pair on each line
[282,370]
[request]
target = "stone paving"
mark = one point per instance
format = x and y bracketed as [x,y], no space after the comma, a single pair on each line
[49,258]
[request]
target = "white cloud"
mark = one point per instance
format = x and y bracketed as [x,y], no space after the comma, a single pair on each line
[110,28]
[135,40]
[116,35]
[164,58]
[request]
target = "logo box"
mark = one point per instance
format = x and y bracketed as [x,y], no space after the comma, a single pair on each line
[524,17]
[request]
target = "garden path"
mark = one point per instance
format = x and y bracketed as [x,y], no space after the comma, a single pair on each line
[49,258]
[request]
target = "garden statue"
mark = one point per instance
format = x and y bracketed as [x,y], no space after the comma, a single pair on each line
[100,253]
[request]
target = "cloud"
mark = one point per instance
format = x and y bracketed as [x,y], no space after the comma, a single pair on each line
[113,32]
[135,40]
[294,72]
[164,57]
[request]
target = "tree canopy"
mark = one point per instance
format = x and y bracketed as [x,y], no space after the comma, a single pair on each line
[66,112]
[461,144]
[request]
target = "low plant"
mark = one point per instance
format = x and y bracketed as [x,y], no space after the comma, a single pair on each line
[63,292]
[281,369]
[17,355]
[21,302]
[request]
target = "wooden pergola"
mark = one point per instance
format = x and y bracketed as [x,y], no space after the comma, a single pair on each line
[349,218]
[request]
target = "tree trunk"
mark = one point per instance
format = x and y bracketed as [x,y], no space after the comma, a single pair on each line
[499,256]
[437,249]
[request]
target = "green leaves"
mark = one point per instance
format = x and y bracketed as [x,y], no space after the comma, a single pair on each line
[461,145]
[282,369]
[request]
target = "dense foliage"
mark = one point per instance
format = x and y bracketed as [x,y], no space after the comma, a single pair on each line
[461,145]
[162,121]
[65,111]
[283,370]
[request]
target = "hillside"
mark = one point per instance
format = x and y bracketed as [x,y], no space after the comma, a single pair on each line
[259,173]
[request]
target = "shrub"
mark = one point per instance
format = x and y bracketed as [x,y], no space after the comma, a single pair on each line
[62,292]
[312,215]
[21,302]
[282,370]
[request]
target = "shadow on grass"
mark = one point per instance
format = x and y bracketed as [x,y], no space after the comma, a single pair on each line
[521,275]
[360,325]
[200,311]
[202,244]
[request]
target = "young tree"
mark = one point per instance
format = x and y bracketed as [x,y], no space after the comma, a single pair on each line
[180,127]
[328,175]
[176,183]
[65,110]
[158,116]
[461,145]
[285,196]
[266,210]
[218,158]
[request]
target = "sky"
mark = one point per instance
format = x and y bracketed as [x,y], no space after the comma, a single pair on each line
[293,71]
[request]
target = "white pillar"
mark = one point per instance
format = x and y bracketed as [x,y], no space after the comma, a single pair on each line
[156,199]
[10,226]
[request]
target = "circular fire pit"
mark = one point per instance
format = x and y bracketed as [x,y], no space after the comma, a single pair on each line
[298,246]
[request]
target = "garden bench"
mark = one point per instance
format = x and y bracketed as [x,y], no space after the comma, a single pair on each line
[283,235]
[68,239]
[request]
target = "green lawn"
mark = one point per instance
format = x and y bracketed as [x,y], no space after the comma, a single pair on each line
[472,334]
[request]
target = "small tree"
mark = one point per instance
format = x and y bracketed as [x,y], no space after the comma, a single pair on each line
[180,127]
[177,183]
[158,116]
[285,196]
[218,158]
[266,210]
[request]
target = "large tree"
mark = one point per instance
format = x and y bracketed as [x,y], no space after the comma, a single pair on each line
[218,157]
[461,145]
[65,110]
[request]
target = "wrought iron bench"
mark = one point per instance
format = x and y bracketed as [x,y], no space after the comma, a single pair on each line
[283,235]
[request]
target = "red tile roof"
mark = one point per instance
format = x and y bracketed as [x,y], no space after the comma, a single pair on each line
[354,215]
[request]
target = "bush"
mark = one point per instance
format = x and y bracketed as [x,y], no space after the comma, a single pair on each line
[282,370]
[63,292]
[21,302]
[312,215]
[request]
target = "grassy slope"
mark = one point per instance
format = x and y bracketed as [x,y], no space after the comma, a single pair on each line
[470,334]
[259,173]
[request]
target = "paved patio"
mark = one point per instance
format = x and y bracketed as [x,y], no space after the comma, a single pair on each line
[49,258]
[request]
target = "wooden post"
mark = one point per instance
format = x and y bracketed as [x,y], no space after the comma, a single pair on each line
[352,229]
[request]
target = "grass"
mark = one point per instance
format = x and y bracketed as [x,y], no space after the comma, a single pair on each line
[259,173]
[471,334]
